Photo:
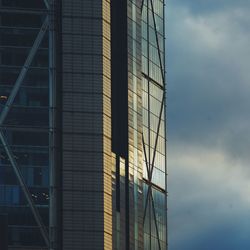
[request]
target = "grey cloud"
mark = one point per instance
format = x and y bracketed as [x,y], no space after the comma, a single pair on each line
[208,58]
[207,200]
[208,84]
[213,239]
[201,6]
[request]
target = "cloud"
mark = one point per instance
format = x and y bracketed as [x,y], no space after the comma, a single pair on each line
[208,58]
[208,76]
[206,6]
[209,204]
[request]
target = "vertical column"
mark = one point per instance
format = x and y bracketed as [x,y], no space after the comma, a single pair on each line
[55,140]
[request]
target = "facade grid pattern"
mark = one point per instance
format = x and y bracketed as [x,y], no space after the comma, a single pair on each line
[82,125]
[24,121]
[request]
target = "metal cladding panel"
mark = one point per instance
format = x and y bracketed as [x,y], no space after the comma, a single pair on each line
[86,142]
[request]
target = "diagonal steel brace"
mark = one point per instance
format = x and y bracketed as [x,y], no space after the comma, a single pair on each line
[145,155]
[142,4]
[3,115]
[157,134]
[157,41]
[24,71]
[146,203]
[24,188]
[47,4]
[156,225]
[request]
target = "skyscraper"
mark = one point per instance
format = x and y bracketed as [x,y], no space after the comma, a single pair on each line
[82,125]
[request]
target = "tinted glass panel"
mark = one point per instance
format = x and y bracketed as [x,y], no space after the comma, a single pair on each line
[26,124]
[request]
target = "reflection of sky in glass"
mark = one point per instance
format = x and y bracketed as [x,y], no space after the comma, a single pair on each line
[208,124]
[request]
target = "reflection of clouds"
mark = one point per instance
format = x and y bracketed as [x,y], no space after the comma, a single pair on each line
[208,124]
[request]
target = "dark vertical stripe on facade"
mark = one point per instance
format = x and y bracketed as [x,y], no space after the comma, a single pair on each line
[119,92]
[3,232]
[119,77]
[118,190]
[127,204]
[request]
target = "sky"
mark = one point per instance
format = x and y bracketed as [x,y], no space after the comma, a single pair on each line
[208,98]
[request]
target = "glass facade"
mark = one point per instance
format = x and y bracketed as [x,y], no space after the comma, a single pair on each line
[109,86]
[142,173]
[24,120]
[135,124]
[154,133]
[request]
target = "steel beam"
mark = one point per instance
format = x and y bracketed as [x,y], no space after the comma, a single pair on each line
[165,128]
[47,4]
[157,133]
[53,172]
[149,125]
[24,71]
[146,204]
[157,41]
[156,226]
[145,155]
[142,5]
[22,11]
[24,188]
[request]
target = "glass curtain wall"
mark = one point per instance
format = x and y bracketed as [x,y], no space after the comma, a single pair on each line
[135,124]
[24,120]
[154,137]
